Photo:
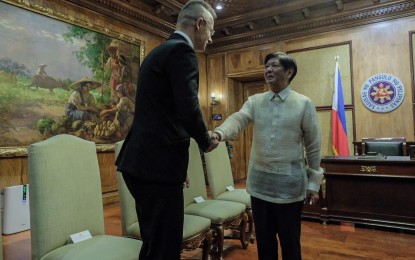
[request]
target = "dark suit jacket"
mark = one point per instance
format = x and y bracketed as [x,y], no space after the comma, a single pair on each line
[167,114]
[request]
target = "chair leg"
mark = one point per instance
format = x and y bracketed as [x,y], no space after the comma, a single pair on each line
[217,247]
[251,234]
[207,244]
[242,232]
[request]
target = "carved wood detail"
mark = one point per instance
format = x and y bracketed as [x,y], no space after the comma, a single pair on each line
[234,36]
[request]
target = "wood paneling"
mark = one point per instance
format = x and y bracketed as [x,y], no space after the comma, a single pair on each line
[250,59]
[216,84]
[203,94]
[13,171]
[238,161]
[321,76]
[250,89]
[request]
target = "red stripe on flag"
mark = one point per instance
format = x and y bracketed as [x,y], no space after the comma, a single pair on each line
[339,136]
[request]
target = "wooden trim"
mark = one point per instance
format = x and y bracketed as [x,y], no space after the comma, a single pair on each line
[370,15]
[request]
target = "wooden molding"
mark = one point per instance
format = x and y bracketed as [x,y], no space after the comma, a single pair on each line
[338,21]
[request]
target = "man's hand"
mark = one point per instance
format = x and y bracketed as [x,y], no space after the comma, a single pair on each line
[214,141]
[312,197]
[186,183]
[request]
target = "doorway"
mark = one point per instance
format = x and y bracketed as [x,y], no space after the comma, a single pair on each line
[249,89]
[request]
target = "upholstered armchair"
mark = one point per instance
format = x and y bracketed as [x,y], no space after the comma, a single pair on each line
[221,184]
[223,214]
[196,230]
[66,199]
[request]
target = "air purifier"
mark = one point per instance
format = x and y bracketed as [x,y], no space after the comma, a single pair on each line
[16,215]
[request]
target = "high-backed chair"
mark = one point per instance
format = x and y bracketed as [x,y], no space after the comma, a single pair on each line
[390,146]
[223,214]
[221,184]
[66,199]
[196,230]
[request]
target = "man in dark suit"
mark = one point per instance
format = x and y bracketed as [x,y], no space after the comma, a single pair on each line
[154,157]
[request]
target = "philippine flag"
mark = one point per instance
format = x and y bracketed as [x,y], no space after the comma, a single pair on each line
[338,118]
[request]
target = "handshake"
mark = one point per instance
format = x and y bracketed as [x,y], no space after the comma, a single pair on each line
[214,140]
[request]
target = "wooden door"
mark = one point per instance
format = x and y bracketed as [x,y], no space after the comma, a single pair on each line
[251,88]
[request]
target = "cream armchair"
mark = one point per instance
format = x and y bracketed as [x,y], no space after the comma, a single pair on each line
[221,184]
[65,199]
[196,230]
[223,214]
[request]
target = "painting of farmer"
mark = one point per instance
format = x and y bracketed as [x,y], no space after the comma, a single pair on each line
[81,103]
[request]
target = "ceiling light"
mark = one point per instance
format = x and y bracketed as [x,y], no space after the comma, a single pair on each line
[218,7]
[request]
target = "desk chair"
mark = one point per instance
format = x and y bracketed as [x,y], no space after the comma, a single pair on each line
[196,230]
[389,146]
[223,214]
[221,185]
[65,199]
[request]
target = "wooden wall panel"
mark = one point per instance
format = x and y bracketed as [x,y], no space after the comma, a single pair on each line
[318,83]
[109,183]
[238,159]
[203,94]
[14,171]
[249,59]
[216,79]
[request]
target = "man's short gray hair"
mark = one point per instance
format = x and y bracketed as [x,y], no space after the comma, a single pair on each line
[193,10]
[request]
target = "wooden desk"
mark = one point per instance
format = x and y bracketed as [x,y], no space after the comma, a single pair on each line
[378,192]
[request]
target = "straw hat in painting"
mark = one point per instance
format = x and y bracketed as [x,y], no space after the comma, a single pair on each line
[113,46]
[122,47]
[93,84]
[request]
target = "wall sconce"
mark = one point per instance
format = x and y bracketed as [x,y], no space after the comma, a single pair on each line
[215,100]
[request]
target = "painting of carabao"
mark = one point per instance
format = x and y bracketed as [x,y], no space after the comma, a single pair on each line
[57,77]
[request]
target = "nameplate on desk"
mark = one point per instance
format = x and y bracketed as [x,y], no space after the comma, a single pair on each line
[368,169]
[81,236]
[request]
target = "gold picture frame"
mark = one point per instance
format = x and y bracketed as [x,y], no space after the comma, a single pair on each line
[54,18]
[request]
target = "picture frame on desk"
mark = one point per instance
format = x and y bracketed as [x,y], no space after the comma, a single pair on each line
[44,59]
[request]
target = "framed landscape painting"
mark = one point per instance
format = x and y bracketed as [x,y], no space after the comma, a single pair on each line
[62,75]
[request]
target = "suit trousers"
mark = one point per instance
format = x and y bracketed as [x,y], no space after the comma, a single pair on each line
[160,213]
[277,221]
